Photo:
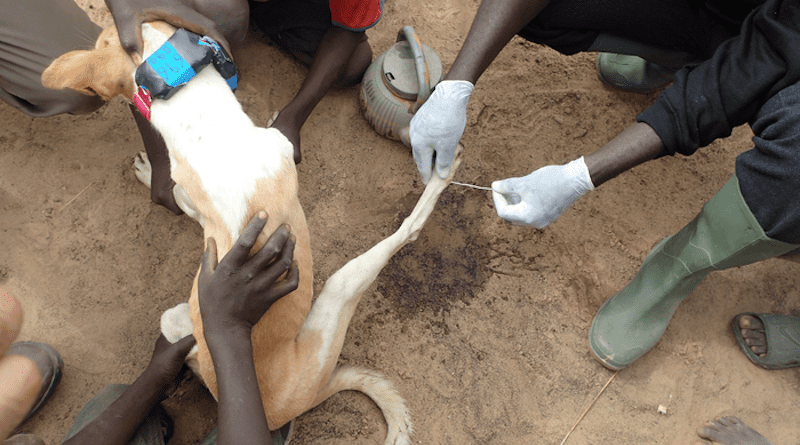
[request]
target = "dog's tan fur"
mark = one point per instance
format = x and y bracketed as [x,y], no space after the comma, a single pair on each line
[295,345]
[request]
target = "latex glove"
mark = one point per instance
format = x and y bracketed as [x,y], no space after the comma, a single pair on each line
[437,127]
[541,197]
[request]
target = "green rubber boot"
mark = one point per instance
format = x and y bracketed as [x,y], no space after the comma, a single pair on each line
[632,73]
[725,234]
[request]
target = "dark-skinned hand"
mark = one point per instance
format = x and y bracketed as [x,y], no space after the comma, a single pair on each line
[130,14]
[292,132]
[236,293]
[168,358]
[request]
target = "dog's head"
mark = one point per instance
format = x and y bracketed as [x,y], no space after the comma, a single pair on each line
[107,70]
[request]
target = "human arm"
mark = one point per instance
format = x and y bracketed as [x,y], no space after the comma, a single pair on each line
[233,297]
[707,101]
[118,423]
[495,23]
[330,63]
[130,14]
[540,198]
[161,183]
[439,124]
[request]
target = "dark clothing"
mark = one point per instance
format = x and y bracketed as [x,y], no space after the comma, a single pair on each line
[300,25]
[769,174]
[32,34]
[293,25]
[696,27]
[749,79]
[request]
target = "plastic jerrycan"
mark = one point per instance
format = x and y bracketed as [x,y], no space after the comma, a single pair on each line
[397,83]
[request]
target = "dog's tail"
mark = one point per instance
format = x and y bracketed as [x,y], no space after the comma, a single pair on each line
[381,390]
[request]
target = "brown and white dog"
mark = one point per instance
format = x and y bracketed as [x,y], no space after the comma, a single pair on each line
[226,170]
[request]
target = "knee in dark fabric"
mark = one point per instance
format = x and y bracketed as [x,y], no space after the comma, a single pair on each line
[769,174]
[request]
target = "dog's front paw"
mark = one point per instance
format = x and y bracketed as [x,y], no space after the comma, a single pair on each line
[142,169]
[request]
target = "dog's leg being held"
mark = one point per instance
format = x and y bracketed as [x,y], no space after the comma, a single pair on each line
[336,304]
[143,172]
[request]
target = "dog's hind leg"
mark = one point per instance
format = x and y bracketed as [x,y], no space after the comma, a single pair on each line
[334,307]
[144,172]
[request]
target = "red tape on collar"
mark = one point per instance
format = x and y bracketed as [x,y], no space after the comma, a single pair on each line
[142,101]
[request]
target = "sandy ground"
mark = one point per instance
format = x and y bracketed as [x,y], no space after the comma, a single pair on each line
[482,326]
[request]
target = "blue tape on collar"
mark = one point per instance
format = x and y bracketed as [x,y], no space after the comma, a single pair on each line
[171,66]
[178,60]
[232,82]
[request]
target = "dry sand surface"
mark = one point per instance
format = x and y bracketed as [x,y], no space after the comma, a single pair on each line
[481,325]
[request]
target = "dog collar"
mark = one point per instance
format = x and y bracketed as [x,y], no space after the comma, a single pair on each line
[175,63]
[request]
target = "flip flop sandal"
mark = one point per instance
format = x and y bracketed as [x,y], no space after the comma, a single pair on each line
[782,333]
[50,367]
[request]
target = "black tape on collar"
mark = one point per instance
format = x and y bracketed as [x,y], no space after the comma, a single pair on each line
[178,60]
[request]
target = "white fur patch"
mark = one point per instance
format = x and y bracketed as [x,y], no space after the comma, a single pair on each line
[176,323]
[205,125]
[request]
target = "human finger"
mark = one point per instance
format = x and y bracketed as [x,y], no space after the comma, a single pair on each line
[269,276]
[283,287]
[272,248]
[184,345]
[129,29]
[423,157]
[444,159]
[247,239]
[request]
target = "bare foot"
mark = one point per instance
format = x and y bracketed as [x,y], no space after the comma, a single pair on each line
[753,333]
[730,431]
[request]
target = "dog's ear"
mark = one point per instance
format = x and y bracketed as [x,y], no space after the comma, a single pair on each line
[106,72]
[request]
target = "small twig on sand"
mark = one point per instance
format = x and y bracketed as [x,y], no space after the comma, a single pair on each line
[76,196]
[588,408]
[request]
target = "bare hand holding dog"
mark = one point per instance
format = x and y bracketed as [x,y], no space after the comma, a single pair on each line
[130,14]
[238,291]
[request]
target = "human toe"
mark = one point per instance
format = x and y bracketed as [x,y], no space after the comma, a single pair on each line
[747,321]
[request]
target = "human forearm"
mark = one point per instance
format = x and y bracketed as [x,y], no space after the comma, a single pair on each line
[707,101]
[118,423]
[329,63]
[541,197]
[637,144]
[233,297]
[495,23]
[241,418]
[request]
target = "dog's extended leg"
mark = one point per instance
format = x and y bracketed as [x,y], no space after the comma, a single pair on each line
[336,304]
[143,172]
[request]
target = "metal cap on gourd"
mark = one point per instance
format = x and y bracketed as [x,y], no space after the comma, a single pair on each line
[397,83]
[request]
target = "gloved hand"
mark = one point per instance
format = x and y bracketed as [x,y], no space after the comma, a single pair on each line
[541,197]
[437,127]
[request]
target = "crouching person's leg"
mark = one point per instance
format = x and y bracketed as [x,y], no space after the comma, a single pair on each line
[32,34]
